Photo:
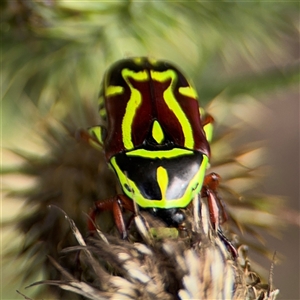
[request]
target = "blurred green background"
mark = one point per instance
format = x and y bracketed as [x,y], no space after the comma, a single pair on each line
[242,55]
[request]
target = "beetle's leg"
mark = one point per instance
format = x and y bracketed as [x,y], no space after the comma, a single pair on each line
[122,203]
[212,182]
[99,207]
[213,209]
[215,203]
[208,119]
[116,205]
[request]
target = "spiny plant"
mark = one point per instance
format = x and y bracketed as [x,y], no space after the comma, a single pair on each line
[73,176]
[54,56]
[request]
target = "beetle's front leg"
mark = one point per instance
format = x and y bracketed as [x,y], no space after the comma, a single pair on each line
[116,204]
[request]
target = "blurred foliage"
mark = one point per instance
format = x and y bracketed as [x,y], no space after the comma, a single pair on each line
[54,53]
[53,57]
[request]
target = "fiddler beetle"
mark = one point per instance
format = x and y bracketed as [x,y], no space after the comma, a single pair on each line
[156,140]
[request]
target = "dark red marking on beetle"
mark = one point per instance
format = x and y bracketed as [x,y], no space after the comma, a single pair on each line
[153,107]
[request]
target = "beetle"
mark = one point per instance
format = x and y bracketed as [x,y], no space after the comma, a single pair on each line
[156,140]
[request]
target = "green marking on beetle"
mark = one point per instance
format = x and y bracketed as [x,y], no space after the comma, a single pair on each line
[175,152]
[162,180]
[201,111]
[95,141]
[157,132]
[113,90]
[132,104]
[152,61]
[188,91]
[102,112]
[101,101]
[138,60]
[174,106]
[192,189]
[208,129]
[124,180]
[96,131]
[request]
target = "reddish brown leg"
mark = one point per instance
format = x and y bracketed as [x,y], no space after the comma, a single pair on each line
[207,119]
[84,136]
[215,203]
[211,181]
[213,209]
[116,204]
